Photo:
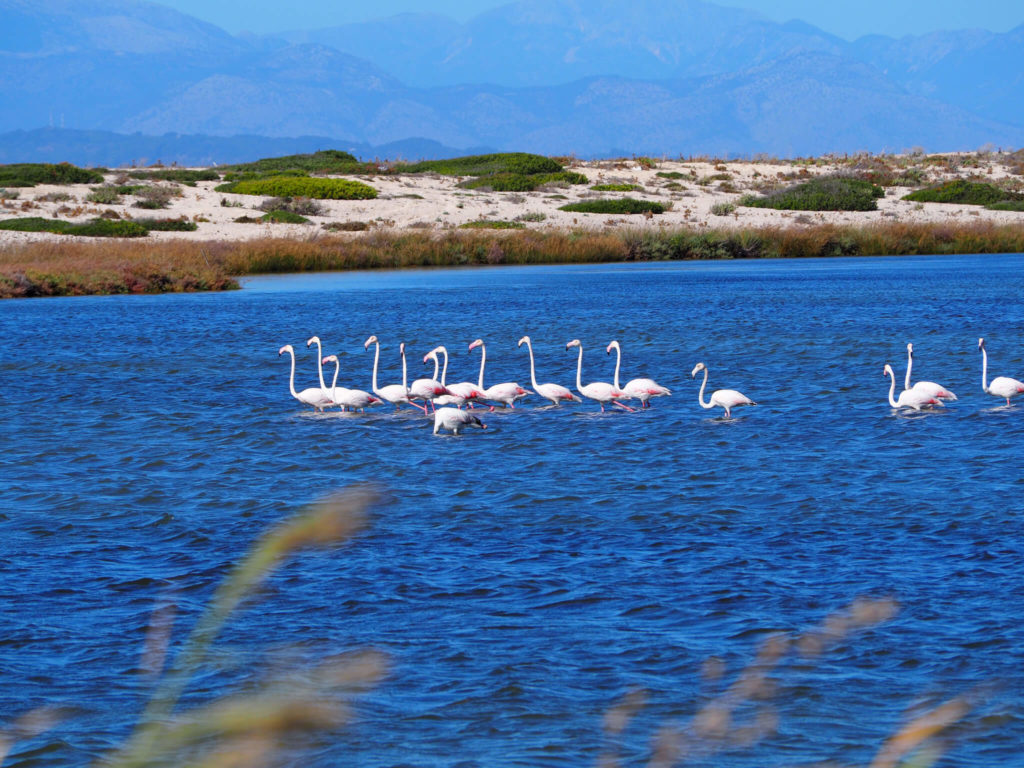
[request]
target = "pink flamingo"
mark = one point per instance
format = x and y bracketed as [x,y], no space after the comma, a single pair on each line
[396,394]
[909,398]
[506,393]
[1001,386]
[600,391]
[313,396]
[723,398]
[556,393]
[640,389]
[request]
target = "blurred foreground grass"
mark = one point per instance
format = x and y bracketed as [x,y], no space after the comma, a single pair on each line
[253,729]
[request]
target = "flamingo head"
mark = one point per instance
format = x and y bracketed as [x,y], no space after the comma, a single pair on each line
[369,341]
[981,343]
[524,340]
[613,345]
[401,348]
[329,359]
[910,349]
[312,341]
[697,369]
[573,343]
[285,348]
[887,371]
[431,355]
[475,422]
[475,344]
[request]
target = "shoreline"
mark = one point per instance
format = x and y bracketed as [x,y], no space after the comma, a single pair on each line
[421,220]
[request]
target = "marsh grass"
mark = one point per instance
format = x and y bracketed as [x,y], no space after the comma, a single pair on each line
[78,268]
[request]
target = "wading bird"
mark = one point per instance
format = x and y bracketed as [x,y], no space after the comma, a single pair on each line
[723,398]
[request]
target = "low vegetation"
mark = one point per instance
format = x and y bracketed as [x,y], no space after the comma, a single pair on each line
[1007,205]
[323,163]
[521,163]
[615,187]
[177,175]
[98,227]
[492,224]
[826,193]
[624,205]
[31,174]
[302,186]
[963,192]
[520,182]
[283,217]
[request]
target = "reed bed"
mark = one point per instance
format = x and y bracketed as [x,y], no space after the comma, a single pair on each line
[63,268]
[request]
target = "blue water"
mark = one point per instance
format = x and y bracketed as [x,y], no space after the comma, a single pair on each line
[521,580]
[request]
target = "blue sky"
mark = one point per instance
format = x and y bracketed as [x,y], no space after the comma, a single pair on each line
[840,17]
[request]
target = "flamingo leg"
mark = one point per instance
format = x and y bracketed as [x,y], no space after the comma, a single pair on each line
[631,410]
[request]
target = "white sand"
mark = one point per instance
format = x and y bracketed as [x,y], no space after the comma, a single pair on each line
[431,202]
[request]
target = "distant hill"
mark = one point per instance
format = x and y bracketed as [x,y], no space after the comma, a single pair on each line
[591,77]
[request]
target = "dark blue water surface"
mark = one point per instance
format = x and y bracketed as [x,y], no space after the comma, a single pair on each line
[522,579]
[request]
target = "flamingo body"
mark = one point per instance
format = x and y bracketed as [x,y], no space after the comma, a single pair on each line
[506,393]
[313,396]
[929,388]
[455,420]
[909,398]
[726,399]
[556,393]
[637,389]
[601,391]
[1000,386]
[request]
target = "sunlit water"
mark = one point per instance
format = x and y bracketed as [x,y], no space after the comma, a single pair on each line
[522,579]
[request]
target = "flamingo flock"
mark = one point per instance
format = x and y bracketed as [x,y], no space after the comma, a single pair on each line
[448,400]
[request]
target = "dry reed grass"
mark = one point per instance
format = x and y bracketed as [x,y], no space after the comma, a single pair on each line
[54,268]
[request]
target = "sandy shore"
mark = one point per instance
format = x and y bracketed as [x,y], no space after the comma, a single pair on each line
[433,202]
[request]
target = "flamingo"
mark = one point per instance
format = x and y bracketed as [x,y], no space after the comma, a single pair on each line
[460,393]
[313,396]
[600,391]
[723,398]
[928,387]
[428,389]
[556,393]
[1001,386]
[640,389]
[909,398]
[455,420]
[396,394]
[356,399]
[506,393]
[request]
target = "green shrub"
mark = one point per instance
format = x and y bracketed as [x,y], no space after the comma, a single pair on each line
[154,198]
[328,161]
[481,165]
[31,174]
[1006,205]
[94,228]
[827,193]
[105,195]
[179,175]
[284,217]
[673,175]
[492,225]
[302,186]
[616,187]
[518,182]
[55,197]
[167,225]
[302,206]
[622,205]
[531,216]
[962,192]
[9,194]
[723,209]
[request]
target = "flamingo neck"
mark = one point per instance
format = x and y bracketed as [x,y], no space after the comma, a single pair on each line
[910,364]
[579,371]
[483,361]
[533,372]
[376,358]
[984,369]
[892,388]
[291,379]
[618,362]
[334,383]
[700,395]
[444,371]
[404,374]
[320,365]
[437,366]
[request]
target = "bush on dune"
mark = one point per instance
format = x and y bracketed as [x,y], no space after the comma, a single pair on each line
[624,205]
[31,174]
[963,192]
[302,186]
[827,193]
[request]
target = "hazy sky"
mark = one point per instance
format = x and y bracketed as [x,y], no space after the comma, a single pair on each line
[840,17]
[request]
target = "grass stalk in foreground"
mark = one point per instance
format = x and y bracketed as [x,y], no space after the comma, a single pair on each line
[52,268]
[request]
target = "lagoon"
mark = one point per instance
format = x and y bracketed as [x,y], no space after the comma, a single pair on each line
[523,579]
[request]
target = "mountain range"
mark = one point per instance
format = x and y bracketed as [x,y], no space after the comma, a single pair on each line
[584,77]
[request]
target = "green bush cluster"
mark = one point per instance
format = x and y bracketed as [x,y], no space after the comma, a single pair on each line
[179,175]
[963,192]
[623,205]
[31,174]
[283,217]
[300,206]
[616,187]
[108,194]
[302,186]
[1007,205]
[518,182]
[522,163]
[827,193]
[93,228]
[324,162]
[167,225]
